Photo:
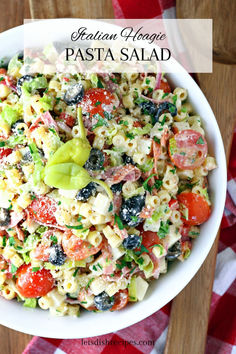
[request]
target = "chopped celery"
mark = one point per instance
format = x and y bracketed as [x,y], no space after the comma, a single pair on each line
[132,290]
[32,303]
[142,131]
[26,258]
[9,115]
[37,83]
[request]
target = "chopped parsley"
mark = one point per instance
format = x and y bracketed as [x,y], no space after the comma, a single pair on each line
[174,99]
[146,185]
[99,265]
[193,233]
[119,222]
[75,272]
[157,140]
[89,282]
[2,143]
[144,249]
[130,136]
[11,241]
[33,196]
[147,81]
[100,123]
[76,227]
[99,84]
[163,230]
[140,260]
[4,241]
[163,120]
[97,103]
[134,218]
[165,94]
[124,122]
[173,170]
[54,239]
[35,269]
[13,268]
[52,130]
[94,268]
[200,141]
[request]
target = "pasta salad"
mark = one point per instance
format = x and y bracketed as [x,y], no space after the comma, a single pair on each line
[103,182]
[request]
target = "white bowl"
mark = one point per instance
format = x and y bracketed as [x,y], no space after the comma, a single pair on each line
[39,322]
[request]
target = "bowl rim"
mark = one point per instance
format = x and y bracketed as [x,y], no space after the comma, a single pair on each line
[115,325]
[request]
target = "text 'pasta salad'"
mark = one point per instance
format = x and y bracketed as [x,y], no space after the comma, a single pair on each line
[103,182]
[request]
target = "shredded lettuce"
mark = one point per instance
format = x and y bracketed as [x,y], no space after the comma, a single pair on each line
[94,80]
[16,140]
[46,102]
[14,64]
[147,166]
[161,210]
[29,244]
[9,115]
[115,156]
[142,131]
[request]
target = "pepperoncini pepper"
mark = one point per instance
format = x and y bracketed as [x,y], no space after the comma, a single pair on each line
[64,169]
[76,150]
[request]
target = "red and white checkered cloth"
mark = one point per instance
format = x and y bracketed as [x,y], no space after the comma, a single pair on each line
[153,330]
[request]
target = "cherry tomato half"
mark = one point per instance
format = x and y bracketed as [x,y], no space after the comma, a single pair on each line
[121,300]
[98,100]
[4,152]
[33,284]
[188,149]
[76,248]
[198,208]
[165,86]
[42,209]
[149,239]
[68,119]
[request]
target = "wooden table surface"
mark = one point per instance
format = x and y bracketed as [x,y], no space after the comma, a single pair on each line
[190,309]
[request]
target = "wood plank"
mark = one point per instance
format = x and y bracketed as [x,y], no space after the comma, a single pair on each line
[71,8]
[190,309]
[224,45]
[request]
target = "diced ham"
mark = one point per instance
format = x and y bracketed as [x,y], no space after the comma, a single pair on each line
[156,154]
[110,85]
[47,120]
[156,271]
[117,174]
[15,219]
[20,233]
[146,212]
[117,202]
[121,233]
